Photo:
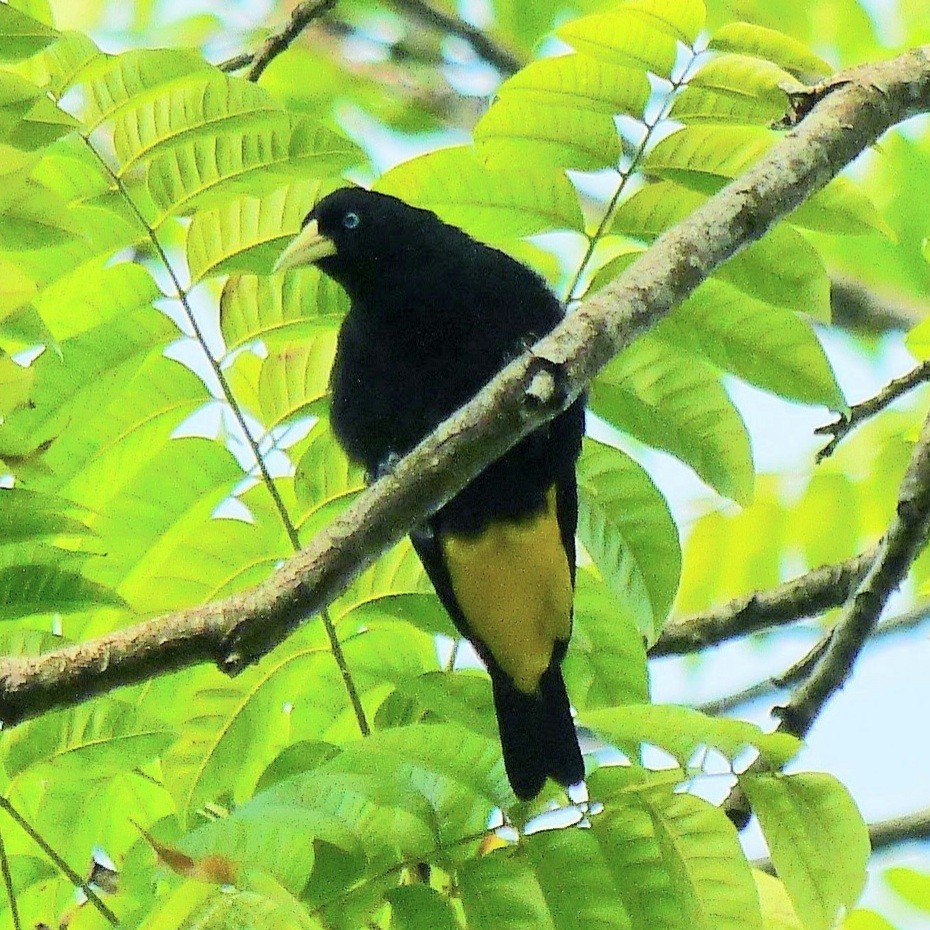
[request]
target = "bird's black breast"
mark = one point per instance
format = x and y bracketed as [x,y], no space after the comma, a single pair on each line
[410,357]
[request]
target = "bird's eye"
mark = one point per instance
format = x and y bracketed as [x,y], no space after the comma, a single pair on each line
[351,220]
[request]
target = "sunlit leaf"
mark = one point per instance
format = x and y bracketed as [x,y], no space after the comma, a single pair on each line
[21,36]
[488,203]
[769,45]
[626,527]
[817,840]
[680,406]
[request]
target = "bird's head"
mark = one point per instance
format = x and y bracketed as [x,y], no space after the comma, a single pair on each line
[362,238]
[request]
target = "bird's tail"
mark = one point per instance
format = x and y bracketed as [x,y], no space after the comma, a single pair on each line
[537,733]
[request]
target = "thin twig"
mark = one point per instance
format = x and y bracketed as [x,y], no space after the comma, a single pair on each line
[301,16]
[840,428]
[901,623]
[59,862]
[8,884]
[484,46]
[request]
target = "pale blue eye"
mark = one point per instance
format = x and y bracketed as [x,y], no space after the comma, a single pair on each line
[351,220]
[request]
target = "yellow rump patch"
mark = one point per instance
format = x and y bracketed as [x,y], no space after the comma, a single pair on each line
[514,586]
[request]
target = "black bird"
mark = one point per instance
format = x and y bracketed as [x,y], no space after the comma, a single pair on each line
[434,315]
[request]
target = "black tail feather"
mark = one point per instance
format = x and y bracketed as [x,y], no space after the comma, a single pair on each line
[537,733]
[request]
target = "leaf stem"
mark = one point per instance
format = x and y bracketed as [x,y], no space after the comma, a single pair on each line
[63,866]
[229,396]
[625,175]
[8,884]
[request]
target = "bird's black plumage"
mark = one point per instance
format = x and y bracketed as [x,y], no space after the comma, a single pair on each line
[434,315]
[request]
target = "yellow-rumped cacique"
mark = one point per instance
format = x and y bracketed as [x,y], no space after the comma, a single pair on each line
[434,315]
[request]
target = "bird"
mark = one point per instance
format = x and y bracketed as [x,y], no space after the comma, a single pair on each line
[433,315]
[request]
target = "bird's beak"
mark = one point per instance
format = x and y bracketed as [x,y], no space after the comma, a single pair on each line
[307,247]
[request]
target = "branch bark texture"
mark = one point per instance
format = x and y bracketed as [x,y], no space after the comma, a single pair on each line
[846,116]
[906,536]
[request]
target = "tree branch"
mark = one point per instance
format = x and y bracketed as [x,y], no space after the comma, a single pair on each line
[845,117]
[839,429]
[906,536]
[483,45]
[856,307]
[900,623]
[805,596]
[831,661]
[301,16]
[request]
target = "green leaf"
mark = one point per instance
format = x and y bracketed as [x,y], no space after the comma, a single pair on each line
[769,45]
[16,288]
[202,106]
[247,234]
[784,269]
[27,590]
[93,294]
[684,732]
[863,919]
[677,858]
[489,204]
[15,385]
[419,907]
[32,217]
[683,19]
[279,307]
[842,208]
[735,89]
[764,345]
[117,84]
[535,886]
[84,378]
[626,527]
[698,154]
[205,171]
[97,740]
[911,885]
[26,514]
[324,473]
[777,909]
[231,733]
[578,82]
[66,59]
[400,794]
[21,36]
[515,131]
[290,381]
[730,554]
[817,840]
[678,405]
[606,664]
[622,38]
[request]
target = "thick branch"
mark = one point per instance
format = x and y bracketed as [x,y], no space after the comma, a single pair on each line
[839,429]
[846,117]
[805,596]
